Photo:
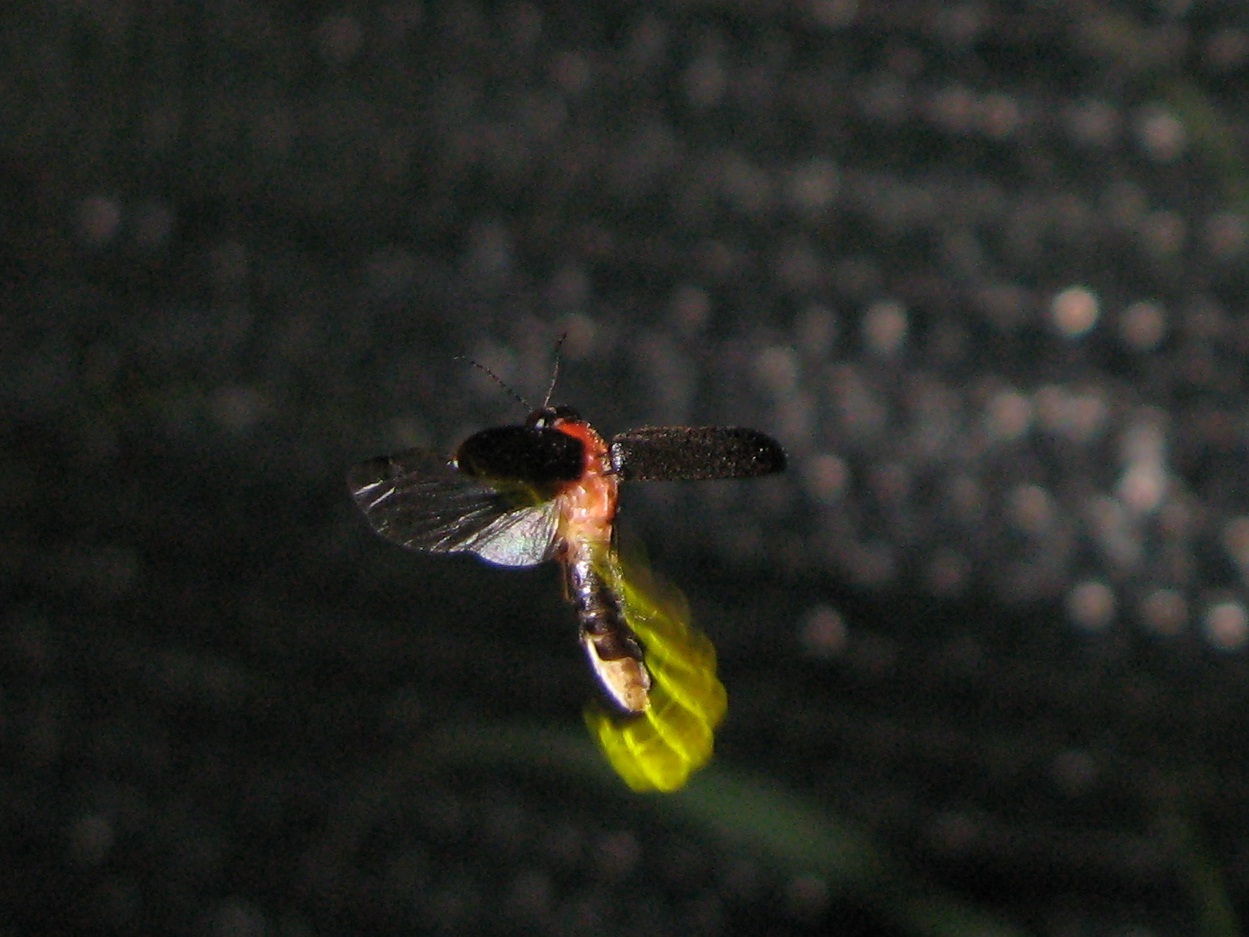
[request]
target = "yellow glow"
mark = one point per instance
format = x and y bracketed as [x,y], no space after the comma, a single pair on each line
[659,749]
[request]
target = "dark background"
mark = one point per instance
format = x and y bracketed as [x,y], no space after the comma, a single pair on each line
[981,266]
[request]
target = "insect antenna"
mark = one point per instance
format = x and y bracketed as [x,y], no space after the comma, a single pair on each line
[498,380]
[554,372]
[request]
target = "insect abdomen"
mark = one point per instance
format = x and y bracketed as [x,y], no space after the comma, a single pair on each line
[614,653]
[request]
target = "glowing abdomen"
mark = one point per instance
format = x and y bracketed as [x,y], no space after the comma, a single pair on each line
[592,574]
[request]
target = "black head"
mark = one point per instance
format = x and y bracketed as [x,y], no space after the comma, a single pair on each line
[535,454]
[547,417]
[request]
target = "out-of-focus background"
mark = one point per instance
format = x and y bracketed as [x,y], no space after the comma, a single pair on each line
[981,266]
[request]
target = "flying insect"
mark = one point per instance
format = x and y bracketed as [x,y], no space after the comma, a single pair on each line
[521,495]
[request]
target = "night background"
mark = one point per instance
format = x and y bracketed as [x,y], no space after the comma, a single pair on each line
[981,267]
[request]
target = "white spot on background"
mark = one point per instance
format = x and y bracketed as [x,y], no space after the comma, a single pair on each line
[812,186]
[823,632]
[1226,625]
[776,368]
[1161,134]
[1010,414]
[1031,508]
[1142,326]
[1227,234]
[1074,311]
[1145,479]
[826,477]
[885,326]
[1091,605]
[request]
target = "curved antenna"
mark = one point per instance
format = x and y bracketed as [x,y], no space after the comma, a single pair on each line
[498,380]
[546,402]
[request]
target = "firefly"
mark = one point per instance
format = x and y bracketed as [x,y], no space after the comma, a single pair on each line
[547,490]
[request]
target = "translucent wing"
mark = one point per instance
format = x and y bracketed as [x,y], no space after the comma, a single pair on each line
[421,501]
[658,749]
[676,453]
